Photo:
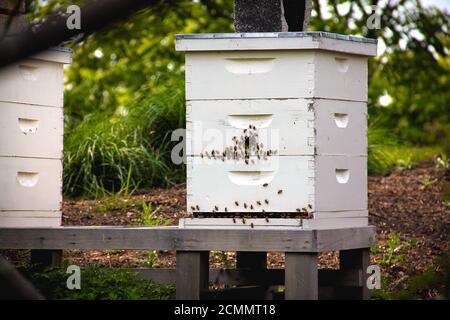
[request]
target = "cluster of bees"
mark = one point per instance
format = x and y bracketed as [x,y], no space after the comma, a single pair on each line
[244,147]
[215,212]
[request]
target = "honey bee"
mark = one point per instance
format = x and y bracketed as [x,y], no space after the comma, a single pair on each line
[246,161]
[236,203]
[265,185]
[258,203]
[245,205]
[193,208]
[252,225]
[234,220]
[309,206]
[216,208]
[280,191]
[266,201]
[243,220]
[267,219]
[251,207]
[198,208]
[226,209]
[298,210]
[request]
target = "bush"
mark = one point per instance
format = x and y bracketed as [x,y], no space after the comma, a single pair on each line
[99,284]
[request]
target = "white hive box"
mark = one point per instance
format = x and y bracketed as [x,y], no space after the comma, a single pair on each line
[276,123]
[31,140]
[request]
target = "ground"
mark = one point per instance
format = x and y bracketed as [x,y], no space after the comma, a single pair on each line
[408,204]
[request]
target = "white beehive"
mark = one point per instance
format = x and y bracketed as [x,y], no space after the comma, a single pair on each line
[276,123]
[31,140]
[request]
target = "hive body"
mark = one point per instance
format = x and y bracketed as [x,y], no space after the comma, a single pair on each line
[276,123]
[31,140]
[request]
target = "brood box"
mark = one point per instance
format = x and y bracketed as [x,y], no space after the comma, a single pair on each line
[31,140]
[276,123]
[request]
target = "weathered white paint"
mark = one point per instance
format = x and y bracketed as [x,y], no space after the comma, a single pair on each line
[275,74]
[31,131]
[33,81]
[271,41]
[291,126]
[30,184]
[304,180]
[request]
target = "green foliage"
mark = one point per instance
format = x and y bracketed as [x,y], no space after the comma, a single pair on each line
[99,284]
[394,251]
[133,147]
[149,217]
[124,96]
[414,70]
[433,283]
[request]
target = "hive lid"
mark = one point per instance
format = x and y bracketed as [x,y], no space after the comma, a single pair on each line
[55,54]
[276,41]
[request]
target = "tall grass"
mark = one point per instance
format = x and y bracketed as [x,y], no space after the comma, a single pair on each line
[131,147]
[380,141]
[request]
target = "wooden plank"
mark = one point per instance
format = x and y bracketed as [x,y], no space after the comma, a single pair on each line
[173,238]
[192,274]
[301,276]
[160,238]
[346,238]
[355,259]
[265,277]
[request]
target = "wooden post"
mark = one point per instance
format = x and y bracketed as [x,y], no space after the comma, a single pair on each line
[354,259]
[192,274]
[46,258]
[301,280]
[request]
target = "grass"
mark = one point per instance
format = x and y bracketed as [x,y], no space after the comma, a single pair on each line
[387,154]
[127,150]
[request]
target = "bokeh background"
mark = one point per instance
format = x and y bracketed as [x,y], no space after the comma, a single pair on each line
[124,92]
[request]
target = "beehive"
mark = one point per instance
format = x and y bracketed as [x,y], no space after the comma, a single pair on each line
[276,123]
[31,140]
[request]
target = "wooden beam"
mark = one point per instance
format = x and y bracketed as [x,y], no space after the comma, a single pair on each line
[346,238]
[192,274]
[266,277]
[301,276]
[173,238]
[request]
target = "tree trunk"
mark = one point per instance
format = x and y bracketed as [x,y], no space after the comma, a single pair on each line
[271,15]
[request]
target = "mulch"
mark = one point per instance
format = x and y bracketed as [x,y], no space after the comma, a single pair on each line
[408,203]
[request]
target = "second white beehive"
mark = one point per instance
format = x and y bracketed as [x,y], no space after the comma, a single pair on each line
[31,140]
